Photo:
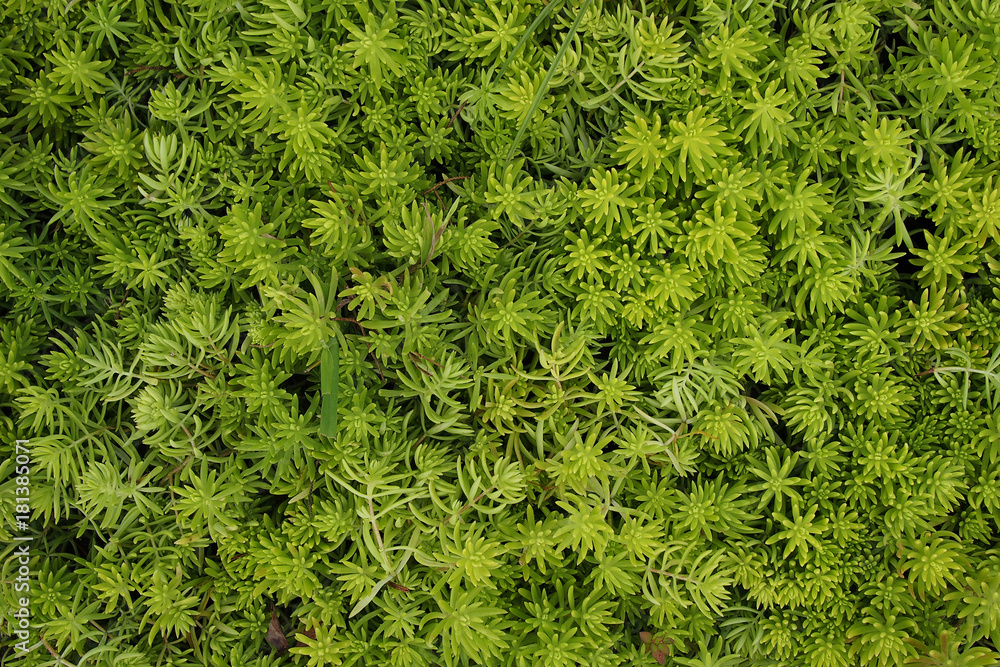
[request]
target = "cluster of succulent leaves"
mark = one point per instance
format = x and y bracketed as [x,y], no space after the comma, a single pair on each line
[668,332]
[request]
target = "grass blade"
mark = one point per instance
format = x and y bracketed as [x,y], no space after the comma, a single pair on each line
[329,384]
[537,100]
[549,8]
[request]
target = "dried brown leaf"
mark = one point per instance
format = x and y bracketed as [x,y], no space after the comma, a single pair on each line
[275,637]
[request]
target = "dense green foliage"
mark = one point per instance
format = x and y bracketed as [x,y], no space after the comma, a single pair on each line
[665,334]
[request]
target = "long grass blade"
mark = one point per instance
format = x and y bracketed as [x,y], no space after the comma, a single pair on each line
[537,100]
[549,8]
[329,384]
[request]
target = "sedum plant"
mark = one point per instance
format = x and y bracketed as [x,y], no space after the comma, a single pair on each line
[502,332]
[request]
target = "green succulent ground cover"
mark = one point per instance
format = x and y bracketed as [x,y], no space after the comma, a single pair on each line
[497,332]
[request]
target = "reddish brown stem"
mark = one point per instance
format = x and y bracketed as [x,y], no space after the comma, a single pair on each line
[444,182]
[456,114]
